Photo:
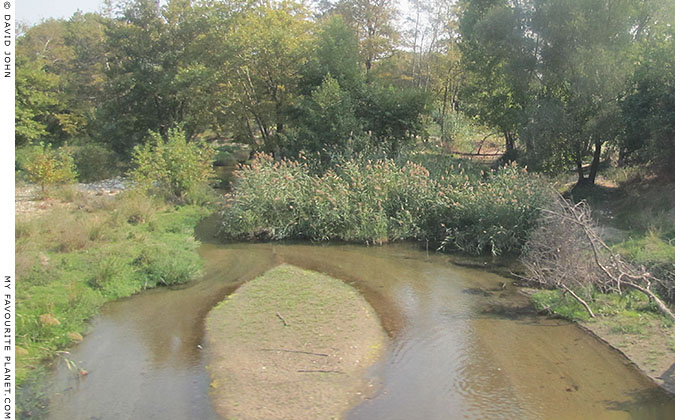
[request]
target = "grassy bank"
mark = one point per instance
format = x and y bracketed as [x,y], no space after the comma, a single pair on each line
[318,337]
[380,201]
[75,257]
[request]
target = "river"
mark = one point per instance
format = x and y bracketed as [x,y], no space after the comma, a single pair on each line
[462,345]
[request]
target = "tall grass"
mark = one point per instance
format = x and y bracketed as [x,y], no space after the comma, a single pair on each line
[380,201]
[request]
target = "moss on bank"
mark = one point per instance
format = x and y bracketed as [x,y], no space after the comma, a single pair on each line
[292,344]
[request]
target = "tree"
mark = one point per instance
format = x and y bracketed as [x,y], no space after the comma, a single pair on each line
[326,124]
[497,65]
[34,98]
[269,47]
[583,52]
[392,116]
[172,165]
[648,103]
[152,83]
[372,21]
[551,72]
[335,54]
[48,167]
[71,53]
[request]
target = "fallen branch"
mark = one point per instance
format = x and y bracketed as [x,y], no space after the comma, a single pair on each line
[282,319]
[566,251]
[297,351]
[321,371]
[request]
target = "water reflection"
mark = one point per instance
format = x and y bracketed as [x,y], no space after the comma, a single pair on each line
[463,345]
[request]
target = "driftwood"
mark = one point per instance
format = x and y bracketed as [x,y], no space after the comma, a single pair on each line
[566,251]
[296,351]
[282,319]
[320,371]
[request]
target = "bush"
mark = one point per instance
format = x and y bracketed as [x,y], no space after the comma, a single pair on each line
[164,265]
[172,167]
[376,202]
[95,162]
[47,167]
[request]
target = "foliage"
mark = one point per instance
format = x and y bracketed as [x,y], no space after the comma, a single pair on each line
[392,115]
[382,201]
[648,104]
[174,166]
[372,21]
[335,53]
[34,98]
[94,161]
[69,285]
[59,78]
[47,167]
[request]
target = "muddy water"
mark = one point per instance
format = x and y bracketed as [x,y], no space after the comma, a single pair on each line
[461,346]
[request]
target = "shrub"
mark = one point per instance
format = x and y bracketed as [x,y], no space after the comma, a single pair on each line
[46,167]
[95,162]
[163,265]
[107,272]
[382,201]
[172,167]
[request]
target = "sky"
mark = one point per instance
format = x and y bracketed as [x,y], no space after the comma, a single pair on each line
[33,11]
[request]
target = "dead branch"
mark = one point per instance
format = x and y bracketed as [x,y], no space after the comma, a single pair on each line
[565,251]
[320,371]
[282,319]
[296,351]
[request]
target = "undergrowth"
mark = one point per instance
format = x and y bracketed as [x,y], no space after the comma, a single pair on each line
[380,201]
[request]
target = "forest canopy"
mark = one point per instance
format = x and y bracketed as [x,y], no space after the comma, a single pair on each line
[566,84]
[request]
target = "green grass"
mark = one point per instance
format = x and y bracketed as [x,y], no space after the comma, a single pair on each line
[70,262]
[630,312]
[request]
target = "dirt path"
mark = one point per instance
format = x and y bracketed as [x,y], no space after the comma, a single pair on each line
[292,344]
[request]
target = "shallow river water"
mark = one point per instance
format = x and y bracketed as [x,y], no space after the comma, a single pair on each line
[461,347]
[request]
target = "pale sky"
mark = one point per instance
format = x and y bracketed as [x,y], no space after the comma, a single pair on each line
[33,11]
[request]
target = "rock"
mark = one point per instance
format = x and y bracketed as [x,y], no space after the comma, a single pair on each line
[75,336]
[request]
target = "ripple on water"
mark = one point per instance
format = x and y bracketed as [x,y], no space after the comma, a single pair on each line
[447,359]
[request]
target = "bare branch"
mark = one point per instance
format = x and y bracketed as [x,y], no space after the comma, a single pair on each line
[565,251]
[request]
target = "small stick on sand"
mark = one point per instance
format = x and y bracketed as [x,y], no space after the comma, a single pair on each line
[296,351]
[321,371]
[282,319]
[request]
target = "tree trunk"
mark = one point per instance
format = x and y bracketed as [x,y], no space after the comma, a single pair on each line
[510,141]
[580,172]
[443,115]
[594,167]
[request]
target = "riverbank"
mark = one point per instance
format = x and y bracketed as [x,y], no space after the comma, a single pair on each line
[627,323]
[83,248]
[292,344]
